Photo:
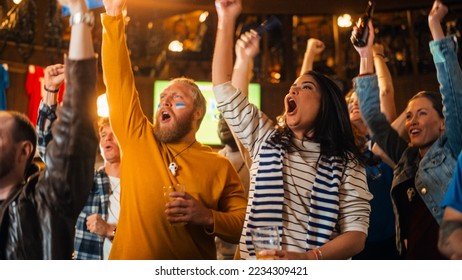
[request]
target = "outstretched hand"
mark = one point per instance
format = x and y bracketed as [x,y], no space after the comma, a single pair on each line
[114,7]
[366,51]
[315,46]
[437,13]
[248,45]
[54,76]
[228,9]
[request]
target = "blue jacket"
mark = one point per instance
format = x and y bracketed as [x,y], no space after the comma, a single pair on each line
[432,174]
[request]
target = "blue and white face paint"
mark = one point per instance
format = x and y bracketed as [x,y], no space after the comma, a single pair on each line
[180,105]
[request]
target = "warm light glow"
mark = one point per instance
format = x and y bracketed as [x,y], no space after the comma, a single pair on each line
[175,46]
[101,104]
[203,16]
[344,20]
[330,61]
[17,1]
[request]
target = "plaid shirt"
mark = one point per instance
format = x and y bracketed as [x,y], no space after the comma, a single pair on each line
[87,245]
[46,117]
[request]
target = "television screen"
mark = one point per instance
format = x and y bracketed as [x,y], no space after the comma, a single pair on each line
[91,4]
[207,133]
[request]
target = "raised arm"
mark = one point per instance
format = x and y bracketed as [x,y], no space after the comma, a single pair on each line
[366,64]
[366,86]
[222,65]
[449,76]
[387,92]
[125,112]
[249,124]
[247,47]
[81,43]
[70,157]
[435,17]
[313,48]
[54,77]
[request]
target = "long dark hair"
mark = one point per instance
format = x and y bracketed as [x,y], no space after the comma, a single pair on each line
[332,126]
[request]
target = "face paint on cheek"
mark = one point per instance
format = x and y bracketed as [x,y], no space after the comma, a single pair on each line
[158,106]
[180,105]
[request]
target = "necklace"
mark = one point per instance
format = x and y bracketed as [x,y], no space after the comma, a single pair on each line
[172,165]
[114,182]
[240,168]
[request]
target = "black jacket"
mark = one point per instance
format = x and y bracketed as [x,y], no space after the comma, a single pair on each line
[37,219]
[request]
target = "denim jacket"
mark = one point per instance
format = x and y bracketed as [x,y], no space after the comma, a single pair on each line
[434,171]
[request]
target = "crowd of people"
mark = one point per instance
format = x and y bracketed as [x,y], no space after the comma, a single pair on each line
[333,174]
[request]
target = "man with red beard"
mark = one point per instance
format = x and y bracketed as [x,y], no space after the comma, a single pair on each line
[163,154]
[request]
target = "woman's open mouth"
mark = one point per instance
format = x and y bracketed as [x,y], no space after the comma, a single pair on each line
[291,105]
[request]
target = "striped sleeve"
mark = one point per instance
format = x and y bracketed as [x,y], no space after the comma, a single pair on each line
[251,126]
[354,200]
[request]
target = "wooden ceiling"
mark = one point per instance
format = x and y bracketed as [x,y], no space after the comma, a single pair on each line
[166,8]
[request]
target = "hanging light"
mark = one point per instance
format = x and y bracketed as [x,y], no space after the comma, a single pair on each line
[17,1]
[175,46]
[344,21]
[203,16]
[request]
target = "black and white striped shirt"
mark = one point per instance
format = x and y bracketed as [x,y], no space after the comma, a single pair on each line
[253,128]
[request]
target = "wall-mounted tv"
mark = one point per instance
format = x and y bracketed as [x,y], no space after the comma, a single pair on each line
[91,4]
[207,133]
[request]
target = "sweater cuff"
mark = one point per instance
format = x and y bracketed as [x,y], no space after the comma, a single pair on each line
[48,111]
[224,91]
[438,48]
[107,20]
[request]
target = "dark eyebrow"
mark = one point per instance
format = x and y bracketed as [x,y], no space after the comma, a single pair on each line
[423,109]
[418,110]
[305,82]
[309,82]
